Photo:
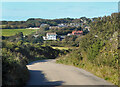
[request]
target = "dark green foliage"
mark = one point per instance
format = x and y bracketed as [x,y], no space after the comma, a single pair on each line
[32,22]
[14,68]
[103,33]
[61,43]
[93,51]
[73,58]
[15,38]
[70,38]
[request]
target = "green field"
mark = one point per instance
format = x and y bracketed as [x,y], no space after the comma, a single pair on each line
[11,32]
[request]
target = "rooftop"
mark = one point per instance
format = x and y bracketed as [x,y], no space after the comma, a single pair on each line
[51,33]
[77,32]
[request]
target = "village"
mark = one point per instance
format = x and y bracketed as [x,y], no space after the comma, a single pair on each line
[54,35]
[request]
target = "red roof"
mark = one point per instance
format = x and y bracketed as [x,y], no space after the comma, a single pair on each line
[77,32]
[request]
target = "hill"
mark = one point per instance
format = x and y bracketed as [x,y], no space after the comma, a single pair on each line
[98,50]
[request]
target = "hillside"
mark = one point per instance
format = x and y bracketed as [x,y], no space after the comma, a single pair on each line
[98,50]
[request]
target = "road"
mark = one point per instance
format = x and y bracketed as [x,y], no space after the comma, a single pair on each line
[47,72]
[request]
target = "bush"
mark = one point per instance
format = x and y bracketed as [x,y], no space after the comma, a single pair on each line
[14,69]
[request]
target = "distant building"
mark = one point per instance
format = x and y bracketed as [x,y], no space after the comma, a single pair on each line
[77,32]
[69,34]
[88,28]
[50,36]
[42,25]
[62,25]
[33,28]
[74,24]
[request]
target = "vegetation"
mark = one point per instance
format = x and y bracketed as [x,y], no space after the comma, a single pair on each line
[64,48]
[15,56]
[32,22]
[98,50]
[12,32]
[13,67]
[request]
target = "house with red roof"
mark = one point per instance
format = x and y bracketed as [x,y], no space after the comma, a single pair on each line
[77,32]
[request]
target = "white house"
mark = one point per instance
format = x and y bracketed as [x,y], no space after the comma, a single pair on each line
[33,28]
[69,34]
[50,36]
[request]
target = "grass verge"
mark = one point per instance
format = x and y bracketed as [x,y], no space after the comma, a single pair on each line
[107,73]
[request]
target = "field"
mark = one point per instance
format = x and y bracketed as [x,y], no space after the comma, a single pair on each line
[64,48]
[11,32]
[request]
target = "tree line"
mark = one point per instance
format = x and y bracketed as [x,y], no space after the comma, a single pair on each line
[36,22]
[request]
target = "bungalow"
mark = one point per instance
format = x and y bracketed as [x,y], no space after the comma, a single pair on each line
[50,36]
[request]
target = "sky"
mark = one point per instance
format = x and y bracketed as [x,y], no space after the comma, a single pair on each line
[60,0]
[21,11]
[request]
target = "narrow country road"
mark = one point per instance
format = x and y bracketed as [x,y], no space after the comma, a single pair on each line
[47,72]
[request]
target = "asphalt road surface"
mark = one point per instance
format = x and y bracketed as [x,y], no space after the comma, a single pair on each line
[47,72]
